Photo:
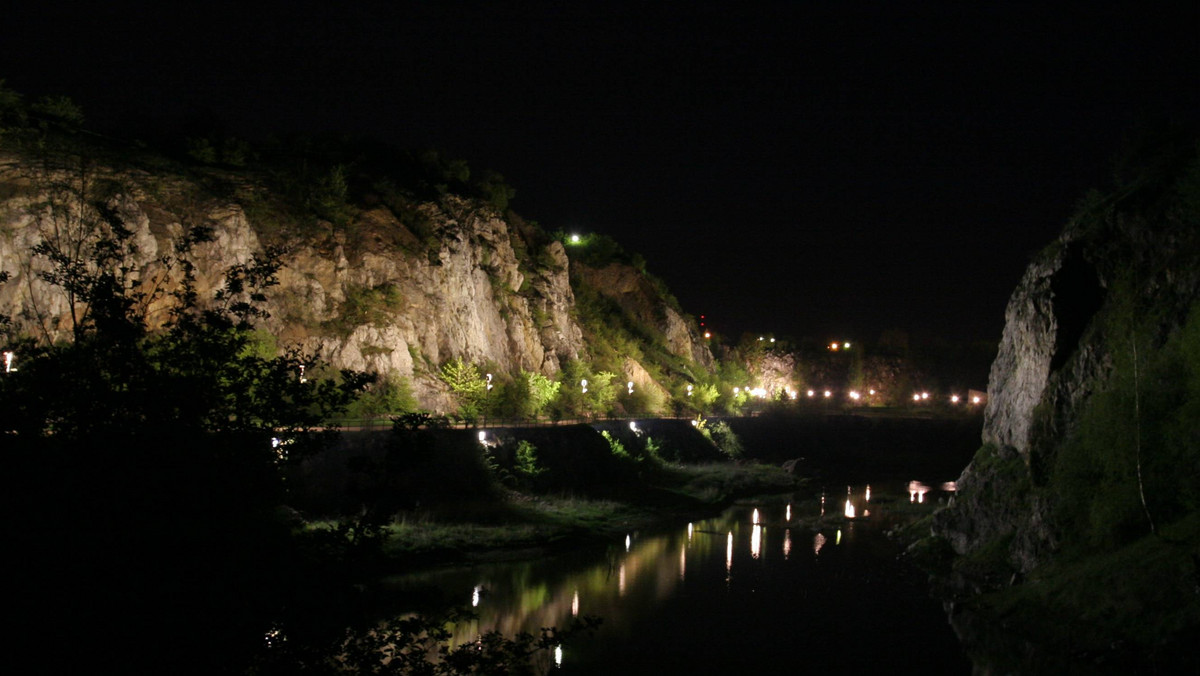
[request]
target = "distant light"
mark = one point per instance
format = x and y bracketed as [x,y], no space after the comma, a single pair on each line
[736,390]
[708,334]
[916,396]
[954,399]
[482,437]
[9,358]
[975,399]
[633,426]
[574,239]
[828,394]
[924,395]
[302,378]
[628,541]
[772,340]
[855,395]
[846,346]
[917,491]
[833,346]
[810,393]
[689,390]
[476,595]
[558,654]
[871,392]
[760,338]
[629,385]
[583,384]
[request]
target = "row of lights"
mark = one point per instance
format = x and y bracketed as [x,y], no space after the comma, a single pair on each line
[919,397]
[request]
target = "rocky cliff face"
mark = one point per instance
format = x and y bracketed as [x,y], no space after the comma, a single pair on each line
[1067,430]
[397,304]
[637,296]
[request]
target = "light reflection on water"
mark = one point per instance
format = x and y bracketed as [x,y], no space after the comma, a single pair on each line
[650,572]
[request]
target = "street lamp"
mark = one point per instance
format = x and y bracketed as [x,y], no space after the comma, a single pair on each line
[9,358]
[583,384]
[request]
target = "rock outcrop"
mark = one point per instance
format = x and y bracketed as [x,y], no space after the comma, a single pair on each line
[1112,294]
[391,302]
[638,297]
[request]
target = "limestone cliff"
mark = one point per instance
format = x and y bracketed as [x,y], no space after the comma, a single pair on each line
[639,297]
[1086,436]
[375,293]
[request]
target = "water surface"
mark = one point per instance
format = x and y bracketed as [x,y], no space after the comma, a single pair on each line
[765,588]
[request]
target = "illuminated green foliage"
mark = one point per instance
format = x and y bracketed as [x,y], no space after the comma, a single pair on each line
[615,445]
[467,384]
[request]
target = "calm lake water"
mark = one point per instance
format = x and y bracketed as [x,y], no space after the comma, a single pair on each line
[765,588]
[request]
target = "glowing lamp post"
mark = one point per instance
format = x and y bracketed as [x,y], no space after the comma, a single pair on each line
[9,358]
[689,390]
[629,386]
[583,385]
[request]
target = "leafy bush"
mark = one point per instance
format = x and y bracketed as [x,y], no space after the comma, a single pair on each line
[467,384]
[615,445]
[389,395]
[366,305]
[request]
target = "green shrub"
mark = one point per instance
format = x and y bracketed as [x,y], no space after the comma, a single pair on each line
[527,462]
[366,306]
[615,445]
[467,384]
[726,441]
[389,395]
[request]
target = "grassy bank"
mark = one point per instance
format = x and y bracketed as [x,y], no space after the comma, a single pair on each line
[513,523]
[428,496]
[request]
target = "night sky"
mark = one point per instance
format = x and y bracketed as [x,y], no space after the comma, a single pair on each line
[819,170]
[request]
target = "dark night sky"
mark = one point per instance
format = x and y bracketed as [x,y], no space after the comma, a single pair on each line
[813,169]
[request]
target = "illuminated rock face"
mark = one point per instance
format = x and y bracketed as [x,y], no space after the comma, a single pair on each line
[1058,349]
[637,295]
[389,302]
[1047,364]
